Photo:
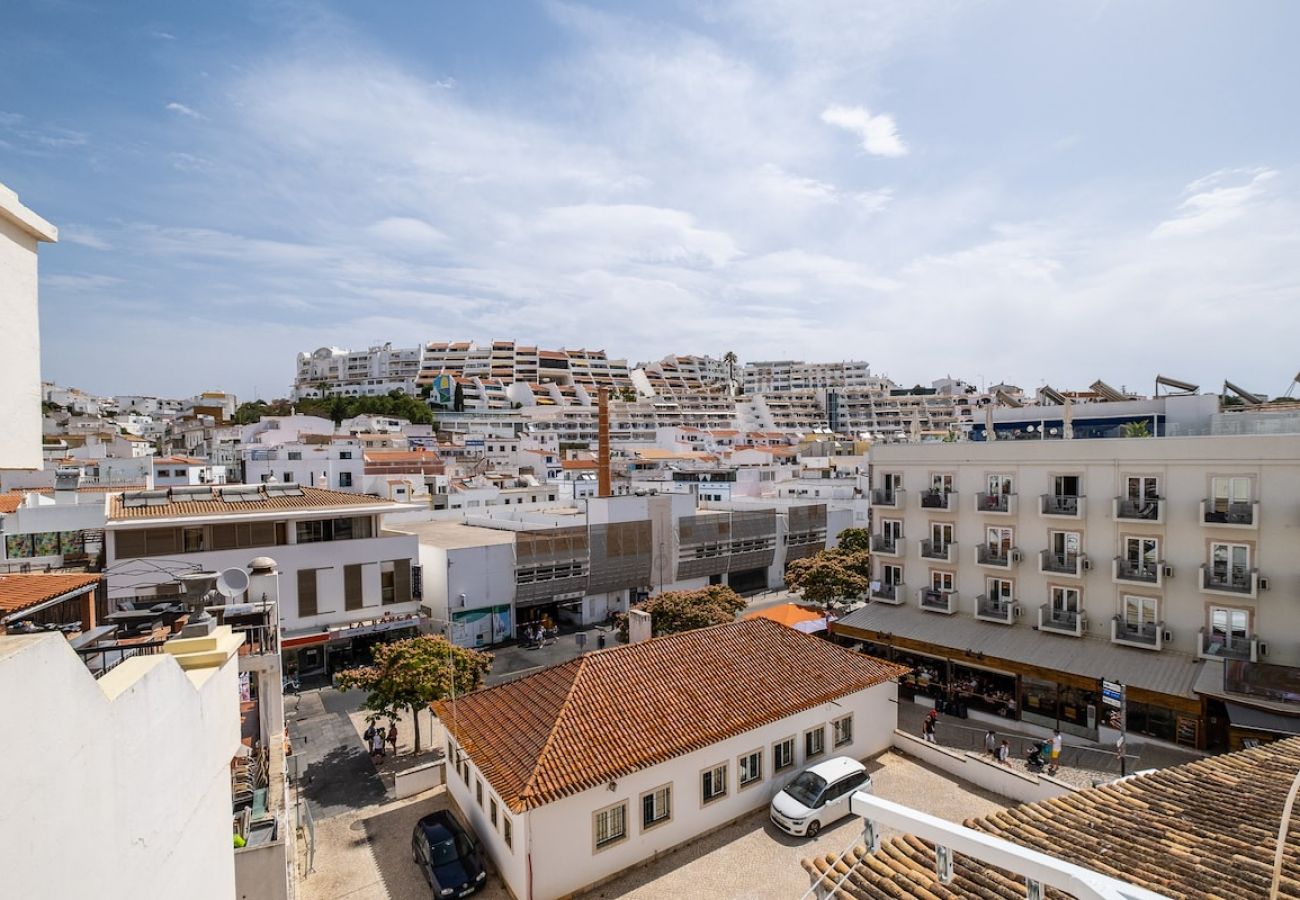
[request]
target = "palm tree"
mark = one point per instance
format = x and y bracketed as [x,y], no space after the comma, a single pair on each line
[730,359]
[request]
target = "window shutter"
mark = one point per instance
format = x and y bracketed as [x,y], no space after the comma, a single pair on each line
[401,581]
[352,587]
[306,592]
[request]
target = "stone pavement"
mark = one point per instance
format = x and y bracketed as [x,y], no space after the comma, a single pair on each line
[335,774]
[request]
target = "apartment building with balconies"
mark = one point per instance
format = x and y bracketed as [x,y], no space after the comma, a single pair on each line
[1039,568]
[361,373]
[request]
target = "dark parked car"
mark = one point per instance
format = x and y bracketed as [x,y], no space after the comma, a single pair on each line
[447,855]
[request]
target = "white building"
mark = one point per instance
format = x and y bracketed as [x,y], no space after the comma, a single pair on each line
[21,230]
[375,371]
[140,759]
[344,579]
[795,375]
[684,748]
[334,461]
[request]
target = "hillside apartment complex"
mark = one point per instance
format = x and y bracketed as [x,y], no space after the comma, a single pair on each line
[1020,573]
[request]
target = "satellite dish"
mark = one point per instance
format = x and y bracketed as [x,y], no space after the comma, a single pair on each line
[231,583]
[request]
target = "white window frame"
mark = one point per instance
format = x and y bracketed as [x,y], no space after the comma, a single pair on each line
[1231,547]
[653,794]
[994,589]
[943,581]
[1226,636]
[742,763]
[838,727]
[942,534]
[781,767]
[820,731]
[1000,484]
[611,839]
[1139,610]
[1061,592]
[715,774]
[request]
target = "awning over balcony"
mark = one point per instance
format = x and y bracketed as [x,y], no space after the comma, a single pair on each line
[1165,672]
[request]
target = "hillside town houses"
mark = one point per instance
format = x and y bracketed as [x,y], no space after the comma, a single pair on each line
[172,569]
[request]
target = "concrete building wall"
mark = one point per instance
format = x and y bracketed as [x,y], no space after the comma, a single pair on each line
[1185,468]
[20,364]
[327,557]
[561,851]
[125,793]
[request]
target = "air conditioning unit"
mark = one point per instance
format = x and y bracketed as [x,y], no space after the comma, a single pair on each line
[1015,557]
[1167,636]
[1016,610]
[1169,571]
[1083,623]
[1263,584]
[1087,563]
[1263,649]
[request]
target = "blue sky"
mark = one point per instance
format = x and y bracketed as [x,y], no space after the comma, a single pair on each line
[1001,191]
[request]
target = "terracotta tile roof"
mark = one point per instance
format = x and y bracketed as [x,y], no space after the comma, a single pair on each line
[613,712]
[10,502]
[1202,830]
[399,456]
[206,505]
[578,463]
[19,592]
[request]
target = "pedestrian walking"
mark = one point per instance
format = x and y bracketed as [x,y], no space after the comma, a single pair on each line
[927,730]
[991,743]
[369,735]
[1003,754]
[1056,751]
[392,736]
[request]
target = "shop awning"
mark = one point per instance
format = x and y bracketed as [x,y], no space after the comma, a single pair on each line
[1261,719]
[1165,672]
[791,615]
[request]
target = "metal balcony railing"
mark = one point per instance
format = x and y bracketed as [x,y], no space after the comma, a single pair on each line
[885,543]
[1233,515]
[1147,634]
[935,600]
[1138,571]
[887,497]
[888,593]
[1236,580]
[1065,621]
[1218,646]
[937,499]
[997,557]
[101,659]
[994,609]
[1149,510]
[1061,505]
[938,550]
[994,503]
[1061,563]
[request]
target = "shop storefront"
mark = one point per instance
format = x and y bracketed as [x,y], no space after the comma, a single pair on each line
[1051,704]
[336,649]
[481,627]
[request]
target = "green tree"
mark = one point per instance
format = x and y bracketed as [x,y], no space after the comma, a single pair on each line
[458,398]
[854,540]
[406,676]
[1136,429]
[673,612]
[729,359]
[832,577]
[248,413]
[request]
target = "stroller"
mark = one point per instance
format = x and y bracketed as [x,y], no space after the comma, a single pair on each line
[1034,761]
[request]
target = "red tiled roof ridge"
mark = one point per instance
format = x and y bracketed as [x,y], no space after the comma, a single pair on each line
[530,786]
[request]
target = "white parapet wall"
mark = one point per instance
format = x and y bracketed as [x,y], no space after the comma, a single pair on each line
[118,788]
[980,771]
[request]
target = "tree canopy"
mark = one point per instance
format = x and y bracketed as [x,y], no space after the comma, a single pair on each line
[673,612]
[337,408]
[834,577]
[408,675]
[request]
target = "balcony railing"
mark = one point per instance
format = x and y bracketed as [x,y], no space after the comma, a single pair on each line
[886,545]
[944,500]
[938,601]
[1149,635]
[1230,515]
[996,504]
[995,609]
[1062,506]
[1216,646]
[1061,621]
[1053,563]
[1125,570]
[996,557]
[1150,510]
[1236,583]
[889,498]
[101,659]
[938,550]
[888,593]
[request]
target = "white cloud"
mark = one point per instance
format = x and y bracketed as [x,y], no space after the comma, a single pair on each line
[183,110]
[404,231]
[1215,201]
[83,236]
[878,133]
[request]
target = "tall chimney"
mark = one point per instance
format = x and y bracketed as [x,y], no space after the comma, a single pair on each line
[603,488]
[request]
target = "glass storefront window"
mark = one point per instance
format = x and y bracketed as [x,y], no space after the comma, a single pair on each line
[1153,721]
[1038,701]
[991,692]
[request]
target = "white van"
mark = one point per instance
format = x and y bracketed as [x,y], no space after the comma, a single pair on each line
[819,796]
